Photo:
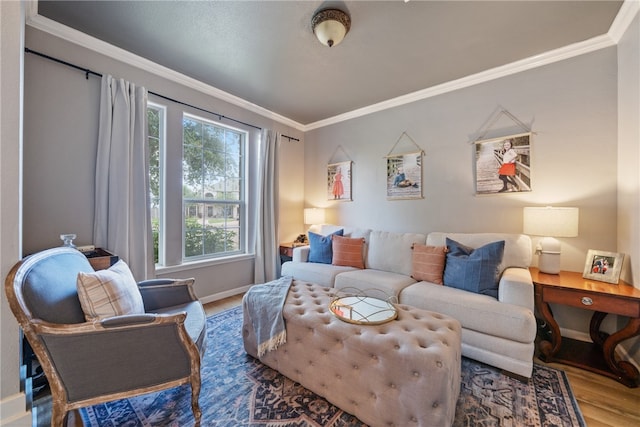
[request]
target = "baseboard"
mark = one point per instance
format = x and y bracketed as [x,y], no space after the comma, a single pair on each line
[225,294]
[13,411]
[583,336]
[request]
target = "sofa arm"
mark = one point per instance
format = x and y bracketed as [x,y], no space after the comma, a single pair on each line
[301,254]
[516,287]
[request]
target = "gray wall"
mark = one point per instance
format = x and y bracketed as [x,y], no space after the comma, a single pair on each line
[629,159]
[12,402]
[61,129]
[570,105]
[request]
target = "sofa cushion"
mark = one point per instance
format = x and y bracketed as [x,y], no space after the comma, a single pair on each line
[320,251]
[475,312]
[347,251]
[108,293]
[428,263]
[374,283]
[390,251]
[322,274]
[517,247]
[196,320]
[474,270]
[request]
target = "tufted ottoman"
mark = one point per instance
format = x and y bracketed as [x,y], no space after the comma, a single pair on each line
[402,373]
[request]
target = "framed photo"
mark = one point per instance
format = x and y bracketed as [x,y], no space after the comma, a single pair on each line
[339,181]
[404,176]
[503,164]
[603,266]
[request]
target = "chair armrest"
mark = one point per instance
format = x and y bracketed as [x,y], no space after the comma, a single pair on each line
[132,319]
[93,360]
[160,293]
[301,254]
[516,287]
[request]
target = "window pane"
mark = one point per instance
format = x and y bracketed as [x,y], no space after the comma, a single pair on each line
[212,176]
[154,126]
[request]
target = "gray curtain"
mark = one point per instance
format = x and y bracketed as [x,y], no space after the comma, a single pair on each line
[267,262]
[122,220]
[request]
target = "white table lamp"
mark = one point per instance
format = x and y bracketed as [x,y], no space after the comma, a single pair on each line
[550,222]
[314,216]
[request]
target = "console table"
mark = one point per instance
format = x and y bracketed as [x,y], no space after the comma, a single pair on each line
[570,288]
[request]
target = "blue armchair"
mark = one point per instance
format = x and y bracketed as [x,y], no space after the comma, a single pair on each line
[88,363]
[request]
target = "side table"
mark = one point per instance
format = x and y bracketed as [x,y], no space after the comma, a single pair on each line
[286,252]
[571,289]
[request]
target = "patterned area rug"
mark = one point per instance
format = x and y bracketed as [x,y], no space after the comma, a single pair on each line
[237,390]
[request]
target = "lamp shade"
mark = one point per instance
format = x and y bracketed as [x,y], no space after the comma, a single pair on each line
[313,216]
[551,221]
[330,26]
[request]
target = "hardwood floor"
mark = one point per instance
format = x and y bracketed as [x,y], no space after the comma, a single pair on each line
[603,401]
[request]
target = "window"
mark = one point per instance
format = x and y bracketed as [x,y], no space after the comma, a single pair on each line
[213,196]
[155,141]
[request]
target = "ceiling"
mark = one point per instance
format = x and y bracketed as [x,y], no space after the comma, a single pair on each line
[265,52]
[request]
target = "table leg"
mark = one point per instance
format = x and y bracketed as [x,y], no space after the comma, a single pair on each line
[597,336]
[548,349]
[628,373]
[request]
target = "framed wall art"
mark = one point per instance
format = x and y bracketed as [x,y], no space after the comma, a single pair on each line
[603,266]
[339,181]
[503,164]
[404,176]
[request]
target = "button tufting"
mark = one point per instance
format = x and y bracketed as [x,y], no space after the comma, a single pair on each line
[435,405]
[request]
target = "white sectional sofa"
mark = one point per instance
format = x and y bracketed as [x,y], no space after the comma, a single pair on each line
[498,331]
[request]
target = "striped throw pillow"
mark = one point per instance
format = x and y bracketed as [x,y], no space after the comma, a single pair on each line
[108,293]
[428,263]
[347,251]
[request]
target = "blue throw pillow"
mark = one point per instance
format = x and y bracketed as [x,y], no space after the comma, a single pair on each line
[320,247]
[473,270]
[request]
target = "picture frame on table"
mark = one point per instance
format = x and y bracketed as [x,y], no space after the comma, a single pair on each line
[603,266]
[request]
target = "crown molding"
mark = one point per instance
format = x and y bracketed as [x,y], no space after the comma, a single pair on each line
[623,19]
[532,62]
[71,35]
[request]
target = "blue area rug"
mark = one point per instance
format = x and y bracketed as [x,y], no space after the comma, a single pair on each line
[238,391]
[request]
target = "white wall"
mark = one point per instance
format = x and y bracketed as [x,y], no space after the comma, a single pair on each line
[12,400]
[571,106]
[629,150]
[628,161]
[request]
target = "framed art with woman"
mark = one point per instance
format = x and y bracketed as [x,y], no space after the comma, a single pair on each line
[503,164]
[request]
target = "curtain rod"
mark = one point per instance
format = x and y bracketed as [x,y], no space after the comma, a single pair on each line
[87,72]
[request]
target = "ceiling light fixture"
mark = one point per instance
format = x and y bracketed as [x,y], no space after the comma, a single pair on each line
[330,26]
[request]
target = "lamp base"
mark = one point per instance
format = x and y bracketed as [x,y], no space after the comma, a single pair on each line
[549,255]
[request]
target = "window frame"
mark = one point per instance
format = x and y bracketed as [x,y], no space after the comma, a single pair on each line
[241,201]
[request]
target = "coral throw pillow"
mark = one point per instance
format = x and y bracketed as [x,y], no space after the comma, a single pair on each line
[474,270]
[347,251]
[320,247]
[108,293]
[428,263]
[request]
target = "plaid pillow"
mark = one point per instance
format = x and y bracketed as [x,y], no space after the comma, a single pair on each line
[108,293]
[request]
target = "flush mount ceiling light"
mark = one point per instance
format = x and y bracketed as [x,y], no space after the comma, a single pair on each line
[330,26]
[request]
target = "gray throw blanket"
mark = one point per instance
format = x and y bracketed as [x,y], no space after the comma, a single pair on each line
[264,304]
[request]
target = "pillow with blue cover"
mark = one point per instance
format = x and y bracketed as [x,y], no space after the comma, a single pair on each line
[320,247]
[473,270]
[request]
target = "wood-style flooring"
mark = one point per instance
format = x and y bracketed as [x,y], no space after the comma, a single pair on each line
[603,401]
